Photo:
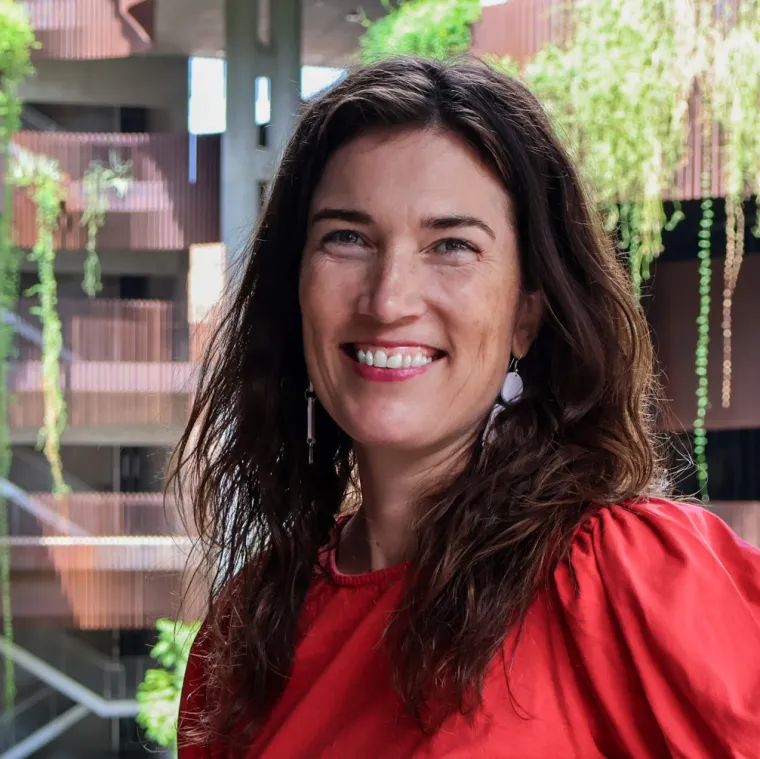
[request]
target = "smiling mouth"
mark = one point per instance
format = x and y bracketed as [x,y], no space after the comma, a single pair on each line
[396,357]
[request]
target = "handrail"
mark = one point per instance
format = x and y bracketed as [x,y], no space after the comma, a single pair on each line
[7,719]
[30,333]
[47,733]
[38,120]
[68,686]
[38,510]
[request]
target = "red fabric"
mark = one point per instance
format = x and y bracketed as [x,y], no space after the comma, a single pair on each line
[647,644]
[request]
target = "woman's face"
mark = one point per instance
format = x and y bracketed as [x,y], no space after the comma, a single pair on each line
[410,290]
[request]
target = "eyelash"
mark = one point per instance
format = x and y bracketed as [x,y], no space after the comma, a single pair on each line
[335,237]
[461,245]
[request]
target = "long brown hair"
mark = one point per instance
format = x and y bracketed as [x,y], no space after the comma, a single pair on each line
[578,440]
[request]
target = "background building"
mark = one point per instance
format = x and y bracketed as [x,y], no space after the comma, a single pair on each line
[91,576]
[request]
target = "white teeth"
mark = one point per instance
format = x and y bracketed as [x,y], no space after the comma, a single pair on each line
[382,360]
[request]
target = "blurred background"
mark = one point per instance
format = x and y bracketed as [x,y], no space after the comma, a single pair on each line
[138,138]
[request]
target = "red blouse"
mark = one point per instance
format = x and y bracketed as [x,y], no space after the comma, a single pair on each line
[646,644]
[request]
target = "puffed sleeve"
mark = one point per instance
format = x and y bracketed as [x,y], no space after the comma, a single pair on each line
[661,609]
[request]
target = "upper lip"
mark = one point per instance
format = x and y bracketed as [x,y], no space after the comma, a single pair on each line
[395,344]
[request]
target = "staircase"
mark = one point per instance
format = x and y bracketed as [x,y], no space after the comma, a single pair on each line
[61,681]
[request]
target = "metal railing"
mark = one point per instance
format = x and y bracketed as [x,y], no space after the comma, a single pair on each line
[125,362]
[98,514]
[110,329]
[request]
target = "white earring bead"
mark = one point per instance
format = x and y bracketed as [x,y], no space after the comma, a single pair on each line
[512,389]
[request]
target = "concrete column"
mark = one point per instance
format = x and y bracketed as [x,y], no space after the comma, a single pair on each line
[245,164]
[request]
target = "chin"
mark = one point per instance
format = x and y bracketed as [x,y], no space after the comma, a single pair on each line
[388,436]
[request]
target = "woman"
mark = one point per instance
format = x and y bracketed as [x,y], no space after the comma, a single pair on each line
[505,580]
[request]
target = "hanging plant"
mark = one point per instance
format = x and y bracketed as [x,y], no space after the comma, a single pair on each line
[15,63]
[42,180]
[100,180]
[619,94]
[619,90]
[430,28]
[736,96]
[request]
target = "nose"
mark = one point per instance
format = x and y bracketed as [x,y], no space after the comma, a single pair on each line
[394,287]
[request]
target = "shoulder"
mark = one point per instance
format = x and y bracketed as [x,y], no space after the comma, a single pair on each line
[657,539]
[665,598]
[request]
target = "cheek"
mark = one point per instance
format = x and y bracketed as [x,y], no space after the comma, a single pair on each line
[325,293]
[487,306]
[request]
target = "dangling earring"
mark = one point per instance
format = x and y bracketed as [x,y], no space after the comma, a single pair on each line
[512,389]
[310,439]
[511,392]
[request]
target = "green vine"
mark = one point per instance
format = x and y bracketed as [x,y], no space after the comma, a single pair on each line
[99,181]
[619,93]
[619,90]
[430,28]
[42,180]
[17,40]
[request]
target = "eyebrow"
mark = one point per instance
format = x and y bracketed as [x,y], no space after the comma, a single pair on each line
[452,221]
[341,214]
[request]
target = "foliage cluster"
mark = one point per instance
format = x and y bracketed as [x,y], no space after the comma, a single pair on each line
[432,28]
[41,179]
[16,42]
[159,694]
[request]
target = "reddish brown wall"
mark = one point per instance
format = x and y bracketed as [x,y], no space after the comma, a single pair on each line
[95,600]
[673,312]
[88,29]
[162,210]
[518,28]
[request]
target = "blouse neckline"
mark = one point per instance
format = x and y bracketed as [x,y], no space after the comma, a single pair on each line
[377,577]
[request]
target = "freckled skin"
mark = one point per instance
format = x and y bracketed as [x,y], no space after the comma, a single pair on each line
[393,277]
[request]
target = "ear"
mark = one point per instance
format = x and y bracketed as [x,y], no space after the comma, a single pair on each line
[530,313]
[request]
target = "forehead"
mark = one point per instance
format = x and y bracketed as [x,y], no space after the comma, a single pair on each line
[425,170]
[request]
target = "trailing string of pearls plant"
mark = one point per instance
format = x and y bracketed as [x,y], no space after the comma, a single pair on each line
[41,179]
[623,87]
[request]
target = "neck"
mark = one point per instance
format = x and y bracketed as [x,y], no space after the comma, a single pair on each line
[381,533]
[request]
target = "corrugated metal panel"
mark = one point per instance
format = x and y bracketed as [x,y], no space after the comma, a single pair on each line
[109,329]
[163,209]
[519,28]
[90,29]
[127,574]
[68,589]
